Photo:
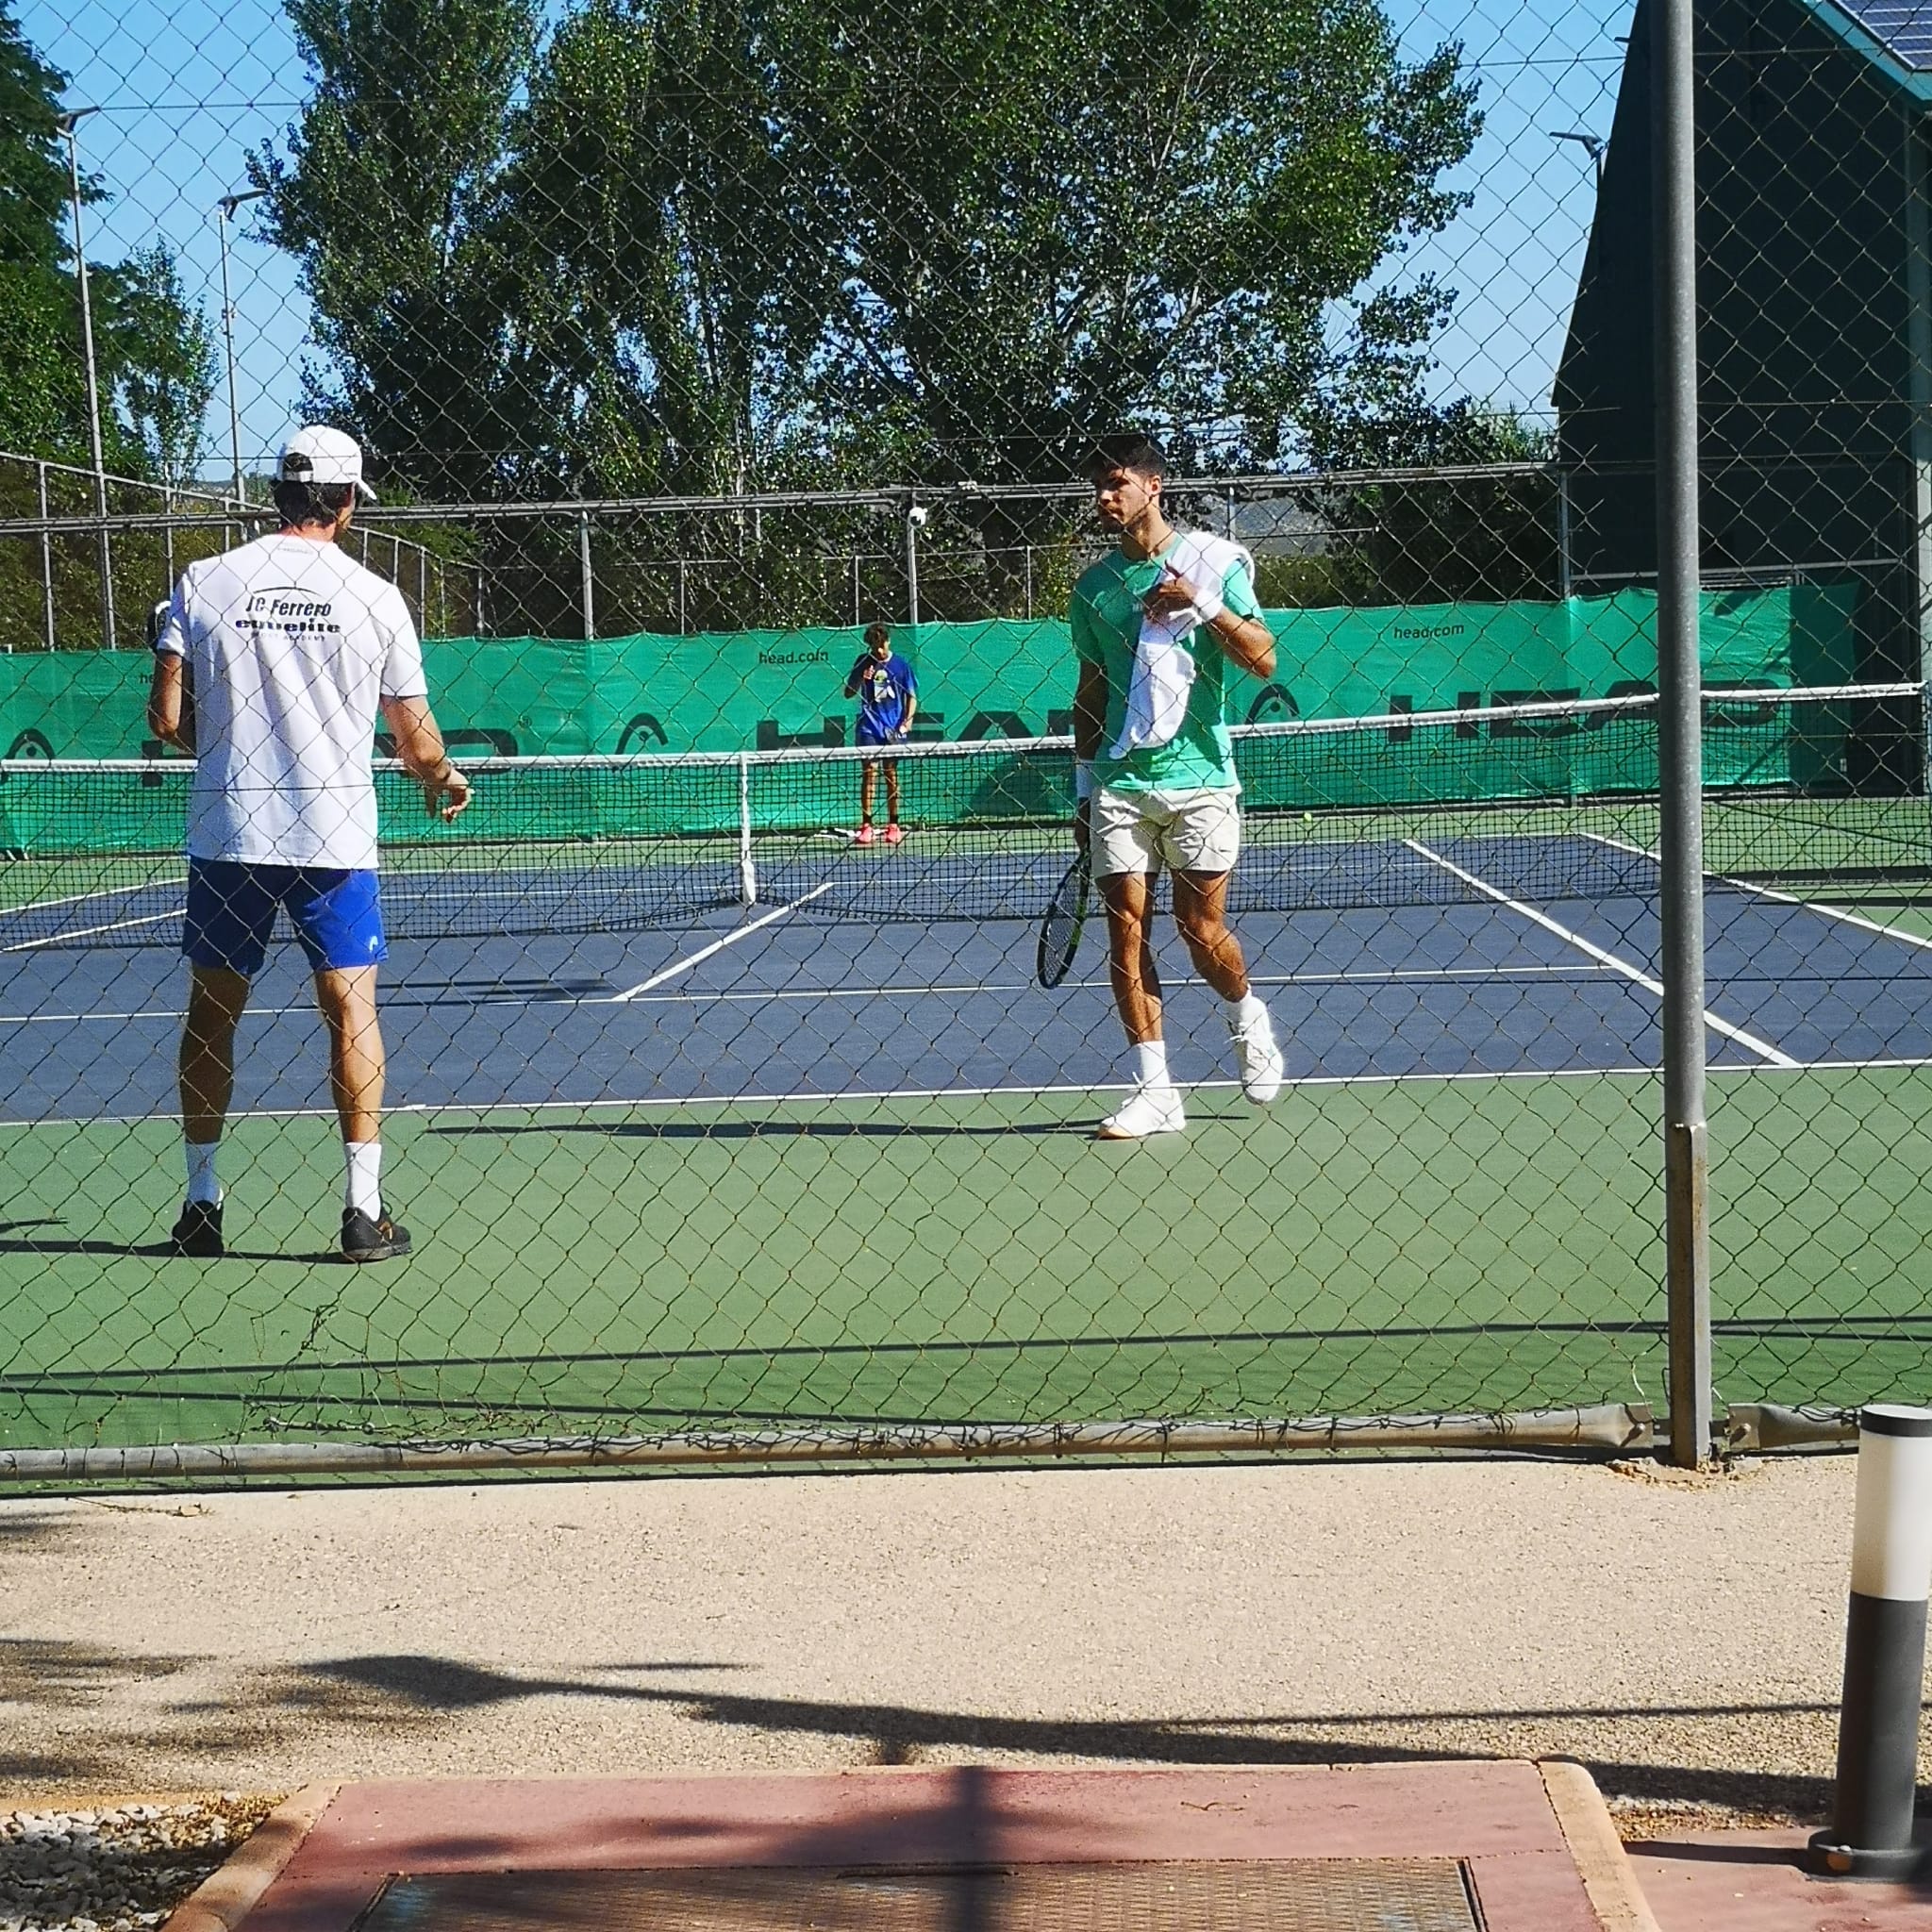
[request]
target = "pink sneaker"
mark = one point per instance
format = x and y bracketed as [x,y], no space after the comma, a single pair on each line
[894,835]
[863,836]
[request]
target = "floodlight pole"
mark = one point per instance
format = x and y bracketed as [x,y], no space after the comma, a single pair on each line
[64,124]
[1687,1151]
[224,214]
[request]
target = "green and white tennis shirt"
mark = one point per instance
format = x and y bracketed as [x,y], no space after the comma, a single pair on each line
[1106,622]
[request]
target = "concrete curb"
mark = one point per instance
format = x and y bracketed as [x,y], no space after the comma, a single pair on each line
[228,1894]
[1609,1877]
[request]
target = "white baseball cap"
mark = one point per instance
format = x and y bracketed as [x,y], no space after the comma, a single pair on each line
[317,453]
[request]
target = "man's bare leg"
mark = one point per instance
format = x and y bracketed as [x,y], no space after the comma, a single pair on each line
[867,780]
[216,1001]
[217,998]
[1153,1106]
[346,996]
[1129,901]
[1200,910]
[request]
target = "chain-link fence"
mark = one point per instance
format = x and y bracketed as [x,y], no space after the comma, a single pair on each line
[731,382]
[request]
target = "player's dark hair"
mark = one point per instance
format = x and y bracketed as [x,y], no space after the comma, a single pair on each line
[876,634]
[306,506]
[1127,449]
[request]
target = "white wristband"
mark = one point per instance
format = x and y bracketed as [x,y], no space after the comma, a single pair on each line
[1083,779]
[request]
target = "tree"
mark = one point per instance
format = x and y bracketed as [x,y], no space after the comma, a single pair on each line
[1397,542]
[701,246]
[166,362]
[151,348]
[1052,218]
[43,392]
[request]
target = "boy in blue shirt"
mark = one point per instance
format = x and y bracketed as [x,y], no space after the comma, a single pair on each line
[883,683]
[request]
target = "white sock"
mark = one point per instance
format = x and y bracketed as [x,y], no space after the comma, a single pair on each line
[365,1171]
[1245,1011]
[201,1184]
[1150,1062]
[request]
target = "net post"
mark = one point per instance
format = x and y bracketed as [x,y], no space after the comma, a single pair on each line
[747,873]
[1687,1150]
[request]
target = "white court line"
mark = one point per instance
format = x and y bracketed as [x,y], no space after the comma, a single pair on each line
[679,967]
[429,1108]
[1891,932]
[1763,1048]
[83,932]
[100,892]
[396,998]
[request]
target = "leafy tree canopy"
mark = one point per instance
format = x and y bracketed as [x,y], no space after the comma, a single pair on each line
[702,246]
[153,359]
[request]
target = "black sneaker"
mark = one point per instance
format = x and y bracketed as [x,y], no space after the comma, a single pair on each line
[372,1237]
[199,1230]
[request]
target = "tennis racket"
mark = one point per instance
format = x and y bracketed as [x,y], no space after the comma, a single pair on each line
[1059,930]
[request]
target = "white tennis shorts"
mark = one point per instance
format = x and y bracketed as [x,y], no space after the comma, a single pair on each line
[1185,831]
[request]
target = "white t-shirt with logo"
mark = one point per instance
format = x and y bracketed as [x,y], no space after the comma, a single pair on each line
[290,647]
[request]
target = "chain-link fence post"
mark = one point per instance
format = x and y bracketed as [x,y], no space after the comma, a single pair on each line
[1687,1156]
[46,557]
[588,589]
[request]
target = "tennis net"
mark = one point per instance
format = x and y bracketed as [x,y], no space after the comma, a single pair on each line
[1551,799]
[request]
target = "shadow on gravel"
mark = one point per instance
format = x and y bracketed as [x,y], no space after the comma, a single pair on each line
[390,1686]
[72,1691]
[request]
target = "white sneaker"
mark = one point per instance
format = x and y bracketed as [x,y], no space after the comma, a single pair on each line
[1145,1111]
[1259,1059]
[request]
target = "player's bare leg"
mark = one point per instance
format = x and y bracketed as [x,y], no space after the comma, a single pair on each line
[1200,911]
[356,1069]
[891,801]
[1155,1105]
[868,791]
[217,998]
[346,996]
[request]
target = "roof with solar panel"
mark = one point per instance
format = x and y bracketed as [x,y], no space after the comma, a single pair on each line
[1897,32]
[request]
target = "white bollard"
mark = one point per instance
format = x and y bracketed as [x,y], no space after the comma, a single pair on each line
[1870,1831]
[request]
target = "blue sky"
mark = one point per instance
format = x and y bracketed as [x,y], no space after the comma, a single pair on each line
[185,95]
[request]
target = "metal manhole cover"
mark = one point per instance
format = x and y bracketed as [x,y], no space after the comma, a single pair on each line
[1281,1895]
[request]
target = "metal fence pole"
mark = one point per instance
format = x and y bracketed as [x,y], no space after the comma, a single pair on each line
[589,593]
[46,558]
[915,517]
[1687,1152]
[1565,582]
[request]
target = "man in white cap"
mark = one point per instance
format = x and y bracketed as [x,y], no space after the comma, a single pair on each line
[269,669]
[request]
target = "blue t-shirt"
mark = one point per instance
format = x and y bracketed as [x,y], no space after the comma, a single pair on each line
[883,690]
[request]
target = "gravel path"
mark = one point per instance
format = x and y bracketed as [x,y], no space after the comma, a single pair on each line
[119,1869]
[1682,1638]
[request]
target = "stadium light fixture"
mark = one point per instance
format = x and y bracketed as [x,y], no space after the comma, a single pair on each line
[224,214]
[65,125]
[1592,144]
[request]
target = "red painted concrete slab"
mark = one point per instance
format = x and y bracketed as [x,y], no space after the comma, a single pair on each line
[1495,1816]
[1750,1881]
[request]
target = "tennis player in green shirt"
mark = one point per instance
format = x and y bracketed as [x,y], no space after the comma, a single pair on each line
[1156,627]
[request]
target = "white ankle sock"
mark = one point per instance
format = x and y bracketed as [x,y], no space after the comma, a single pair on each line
[1150,1062]
[364,1190]
[201,1184]
[1245,1011]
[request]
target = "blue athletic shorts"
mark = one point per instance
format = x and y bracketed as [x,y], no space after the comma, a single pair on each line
[871,734]
[231,914]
